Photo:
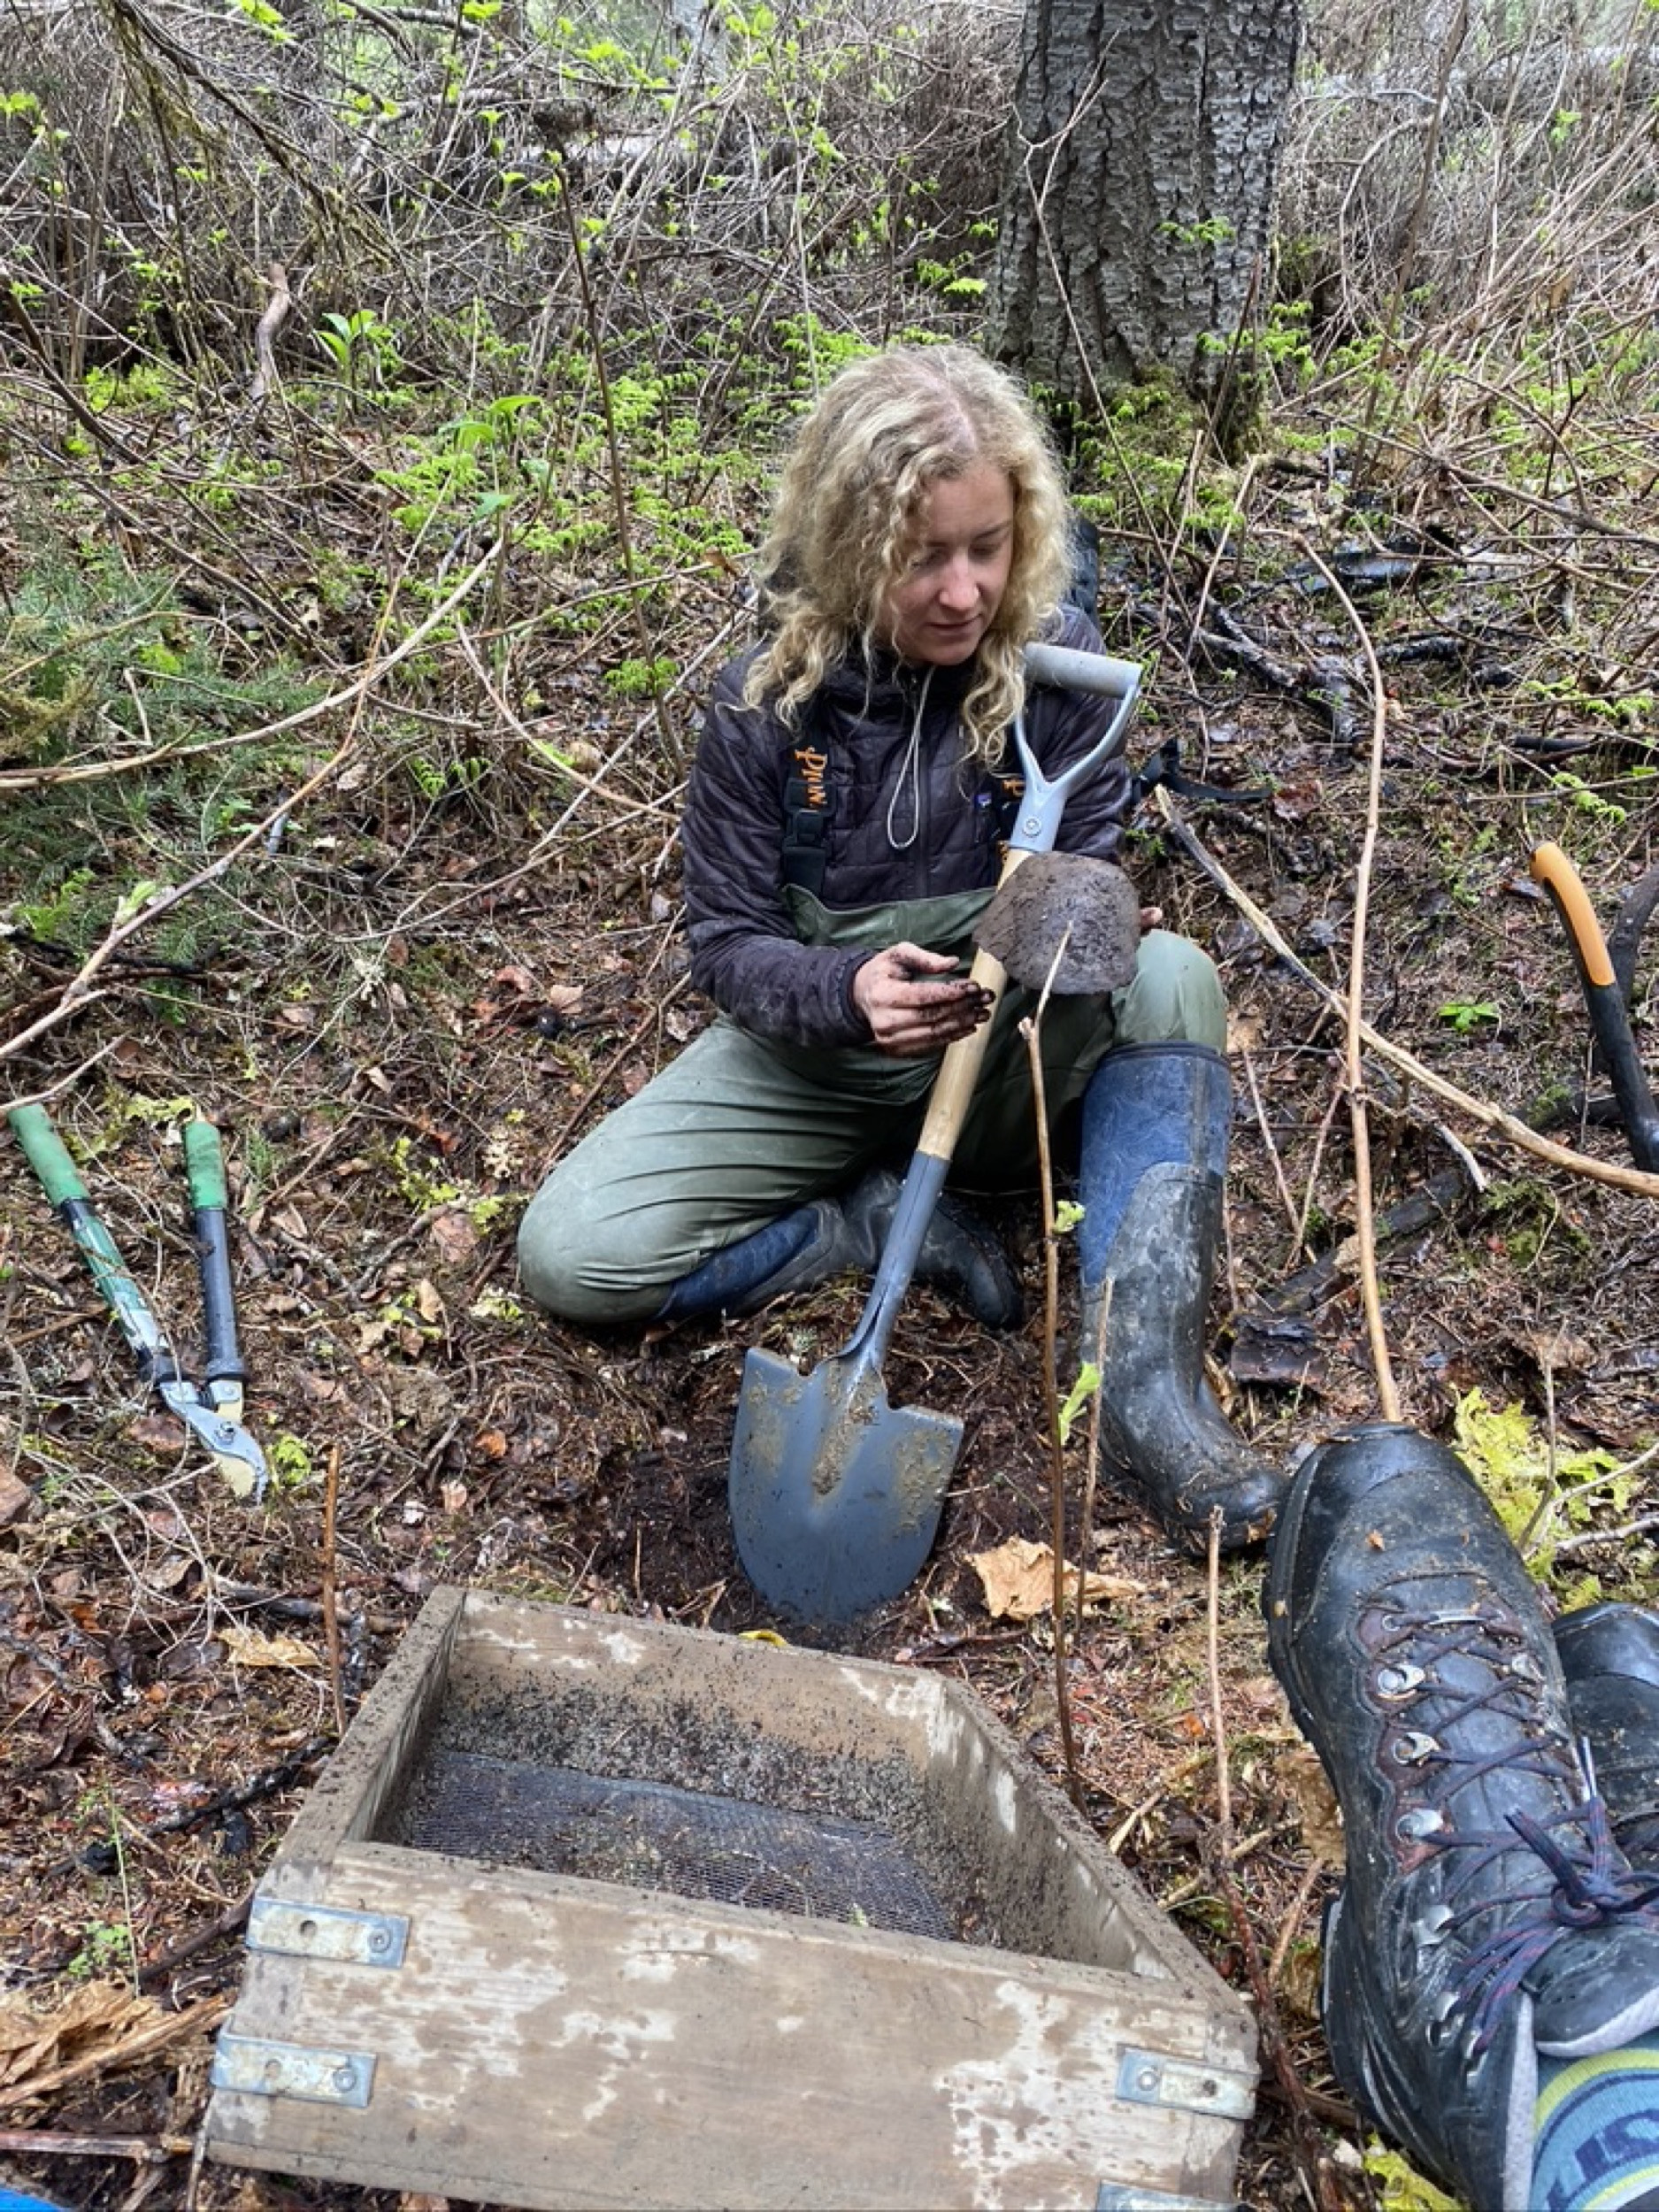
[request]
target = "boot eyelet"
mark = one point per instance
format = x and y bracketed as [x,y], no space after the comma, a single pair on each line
[1398,1682]
[1421,1824]
[1430,1928]
[1525,1667]
[1414,1746]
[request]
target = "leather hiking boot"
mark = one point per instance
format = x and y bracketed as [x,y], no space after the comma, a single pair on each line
[1609,1655]
[830,1236]
[1487,1913]
[1152,1181]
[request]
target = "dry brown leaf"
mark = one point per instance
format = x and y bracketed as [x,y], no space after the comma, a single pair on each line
[455,1237]
[15,1498]
[1303,1779]
[95,2012]
[162,1433]
[247,1647]
[1018,1580]
[427,1302]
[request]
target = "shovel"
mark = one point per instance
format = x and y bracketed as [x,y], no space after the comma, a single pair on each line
[835,1495]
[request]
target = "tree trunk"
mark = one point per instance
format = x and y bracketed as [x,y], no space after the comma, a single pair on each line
[1138,192]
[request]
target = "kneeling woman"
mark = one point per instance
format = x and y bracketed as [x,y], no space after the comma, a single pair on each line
[841,839]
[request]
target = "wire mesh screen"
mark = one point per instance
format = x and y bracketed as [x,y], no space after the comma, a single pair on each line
[653,1836]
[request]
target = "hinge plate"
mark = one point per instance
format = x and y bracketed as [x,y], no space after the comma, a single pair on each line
[1155,2077]
[261,2069]
[326,1931]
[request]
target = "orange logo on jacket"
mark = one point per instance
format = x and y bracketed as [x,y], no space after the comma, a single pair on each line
[812,765]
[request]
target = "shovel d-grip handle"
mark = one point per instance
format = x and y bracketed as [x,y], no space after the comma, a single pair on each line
[1071,669]
[1610,1017]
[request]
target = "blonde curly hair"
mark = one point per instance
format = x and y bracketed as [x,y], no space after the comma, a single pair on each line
[849,515]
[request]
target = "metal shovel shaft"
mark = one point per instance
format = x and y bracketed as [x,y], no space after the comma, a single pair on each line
[835,1495]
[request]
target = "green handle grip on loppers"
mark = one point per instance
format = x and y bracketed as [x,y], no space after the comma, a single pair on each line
[204,1164]
[44,1150]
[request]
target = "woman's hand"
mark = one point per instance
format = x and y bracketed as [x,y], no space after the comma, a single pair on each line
[917,1002]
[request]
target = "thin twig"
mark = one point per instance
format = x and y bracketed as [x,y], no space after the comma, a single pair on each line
[1589,1536]
[1286,1199]
[145,2150]
[77,990]
[275,315]
[1388,1389]
[331,1611]
[65,1082]
[1091,1458]
[586,783]
[613,442]
[1030,1029]
[1292,1927]
[1492,1118]
[199,1940]
[1217,1716]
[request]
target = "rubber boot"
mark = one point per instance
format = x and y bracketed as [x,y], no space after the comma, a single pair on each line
[831,1236]
[1487,1913]
[1153,1170]
[1609,1655]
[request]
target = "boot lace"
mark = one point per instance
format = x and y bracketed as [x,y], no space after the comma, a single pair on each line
[1591,1883]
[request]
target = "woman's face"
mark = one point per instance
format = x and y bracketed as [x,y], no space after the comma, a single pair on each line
[946,600]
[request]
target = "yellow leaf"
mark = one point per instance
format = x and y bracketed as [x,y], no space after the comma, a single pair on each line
[1019,1581]
[1403,2188]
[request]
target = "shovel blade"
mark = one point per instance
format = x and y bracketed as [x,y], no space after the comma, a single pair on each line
[835,1495]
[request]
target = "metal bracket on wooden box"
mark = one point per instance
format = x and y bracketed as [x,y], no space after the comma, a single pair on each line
[326,1931]
[263,2069]
[1154,2077]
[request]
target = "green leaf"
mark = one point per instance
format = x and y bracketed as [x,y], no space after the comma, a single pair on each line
[1081,1391]
[135,901]
[155,1113]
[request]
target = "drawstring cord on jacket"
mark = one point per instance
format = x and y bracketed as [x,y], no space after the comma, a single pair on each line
[910,766]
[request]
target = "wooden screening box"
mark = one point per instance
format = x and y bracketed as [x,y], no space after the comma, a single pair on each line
[591,1912]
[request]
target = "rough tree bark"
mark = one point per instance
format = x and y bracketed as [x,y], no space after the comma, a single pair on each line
[1138,192]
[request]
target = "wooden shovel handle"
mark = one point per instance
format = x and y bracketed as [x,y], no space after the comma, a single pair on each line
[959,1070]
